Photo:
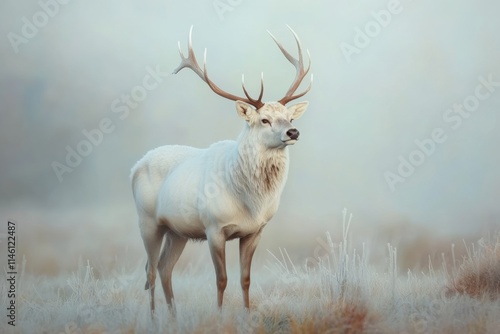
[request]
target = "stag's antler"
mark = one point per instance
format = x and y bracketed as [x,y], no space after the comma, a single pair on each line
[191,62]
[299,66]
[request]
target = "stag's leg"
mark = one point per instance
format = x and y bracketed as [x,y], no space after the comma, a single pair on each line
[172,250]
[248,245]
[217,244]
[152,236]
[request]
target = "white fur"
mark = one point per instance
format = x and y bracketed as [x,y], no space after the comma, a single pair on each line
[228,190]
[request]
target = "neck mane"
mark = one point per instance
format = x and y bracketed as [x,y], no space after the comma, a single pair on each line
[259,173]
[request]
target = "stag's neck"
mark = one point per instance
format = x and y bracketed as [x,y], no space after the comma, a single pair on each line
[258,172]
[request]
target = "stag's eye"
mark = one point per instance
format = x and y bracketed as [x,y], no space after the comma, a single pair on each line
[265,121]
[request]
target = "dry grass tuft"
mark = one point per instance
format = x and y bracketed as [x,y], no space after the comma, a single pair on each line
[346,318]
[353,317]
[479,275]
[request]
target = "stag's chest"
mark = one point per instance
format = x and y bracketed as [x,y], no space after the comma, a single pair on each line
[252,191]
[251,222]
[245,213]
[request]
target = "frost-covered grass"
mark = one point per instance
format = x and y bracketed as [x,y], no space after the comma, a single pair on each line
[337,291]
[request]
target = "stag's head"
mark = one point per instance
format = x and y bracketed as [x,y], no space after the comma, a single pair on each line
[270,122]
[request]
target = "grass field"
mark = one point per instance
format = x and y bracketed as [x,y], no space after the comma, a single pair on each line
[335,288]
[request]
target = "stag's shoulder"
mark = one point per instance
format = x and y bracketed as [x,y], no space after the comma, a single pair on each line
[223,146]
[164,158]
[219,152]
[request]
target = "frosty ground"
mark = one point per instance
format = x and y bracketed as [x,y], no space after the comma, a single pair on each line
[339,290]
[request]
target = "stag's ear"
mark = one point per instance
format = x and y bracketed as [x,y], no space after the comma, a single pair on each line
[298,109]
[245,110]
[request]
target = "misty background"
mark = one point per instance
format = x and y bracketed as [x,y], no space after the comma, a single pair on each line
[365,110]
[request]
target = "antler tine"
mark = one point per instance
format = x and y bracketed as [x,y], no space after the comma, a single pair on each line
[301,60]
[261,86]
[259,100]
[213,86]
[299,66]
[256,103]
[285,100]
[191,62]
[243,86]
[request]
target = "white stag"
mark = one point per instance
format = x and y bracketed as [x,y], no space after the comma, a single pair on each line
[226,191]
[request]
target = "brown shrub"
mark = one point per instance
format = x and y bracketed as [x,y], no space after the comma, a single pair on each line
[346,318]
[479,275]
[353,317]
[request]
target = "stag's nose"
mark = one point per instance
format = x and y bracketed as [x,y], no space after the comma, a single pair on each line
[293,133]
